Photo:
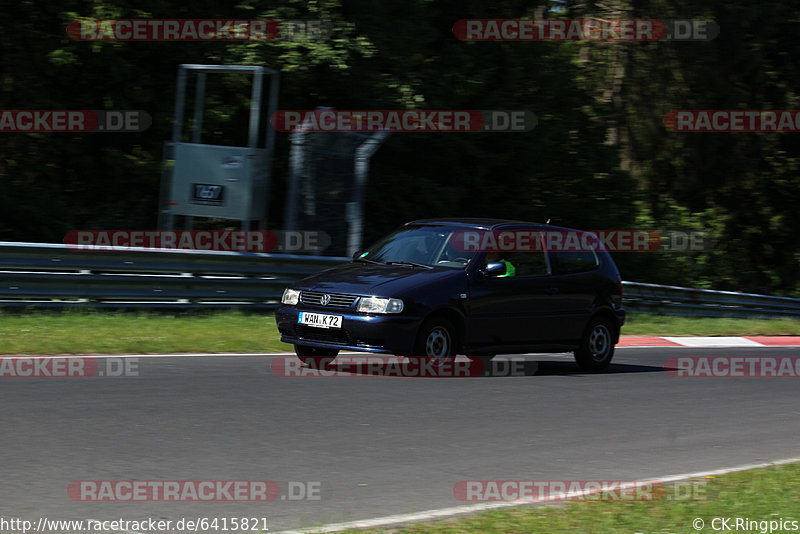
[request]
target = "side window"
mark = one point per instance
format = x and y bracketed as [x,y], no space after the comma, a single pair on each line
[573,262]
[528,263]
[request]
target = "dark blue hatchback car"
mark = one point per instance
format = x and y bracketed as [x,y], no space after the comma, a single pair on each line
[441,287]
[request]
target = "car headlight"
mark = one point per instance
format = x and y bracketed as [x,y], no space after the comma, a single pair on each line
[290,296]
[380,305]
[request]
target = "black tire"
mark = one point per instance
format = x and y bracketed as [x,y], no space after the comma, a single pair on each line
[597,345]
[437,339]
[314,356]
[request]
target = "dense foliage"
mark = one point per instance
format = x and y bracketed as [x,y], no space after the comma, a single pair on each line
[600,156]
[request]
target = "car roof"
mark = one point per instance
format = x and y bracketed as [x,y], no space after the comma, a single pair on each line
[481,223]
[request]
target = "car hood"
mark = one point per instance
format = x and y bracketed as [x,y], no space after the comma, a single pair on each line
[360,278]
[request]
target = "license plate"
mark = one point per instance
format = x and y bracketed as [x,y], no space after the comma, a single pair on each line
[320,320]
[210,194]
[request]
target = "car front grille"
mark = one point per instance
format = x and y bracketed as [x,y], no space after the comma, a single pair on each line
[337,300]
[326,335]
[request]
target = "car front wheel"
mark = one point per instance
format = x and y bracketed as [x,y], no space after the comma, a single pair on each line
[597,346]
[315,356]
[437,340]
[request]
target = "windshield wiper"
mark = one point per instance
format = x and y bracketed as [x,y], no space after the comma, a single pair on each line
[368,261]
[410,263]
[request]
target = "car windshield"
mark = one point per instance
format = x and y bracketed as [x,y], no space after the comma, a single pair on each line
[430,246]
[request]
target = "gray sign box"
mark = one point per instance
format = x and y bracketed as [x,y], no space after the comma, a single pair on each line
[218,181]
[214,181]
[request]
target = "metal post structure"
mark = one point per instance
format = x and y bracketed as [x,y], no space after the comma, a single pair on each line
[313,162]
[356,213]
[166,214]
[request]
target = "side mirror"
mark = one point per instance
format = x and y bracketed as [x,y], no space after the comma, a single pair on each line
[495,268]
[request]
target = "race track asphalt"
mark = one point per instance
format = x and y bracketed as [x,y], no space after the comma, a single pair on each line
[376,446]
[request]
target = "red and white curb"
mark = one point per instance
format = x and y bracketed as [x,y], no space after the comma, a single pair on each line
[709,341]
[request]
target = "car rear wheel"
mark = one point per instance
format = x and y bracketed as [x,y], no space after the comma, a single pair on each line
[315,356]
[597,346]
[437,340]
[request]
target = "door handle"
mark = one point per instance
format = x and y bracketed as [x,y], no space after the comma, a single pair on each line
[551,291]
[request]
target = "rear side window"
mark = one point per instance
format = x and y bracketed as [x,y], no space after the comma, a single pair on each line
[573,262]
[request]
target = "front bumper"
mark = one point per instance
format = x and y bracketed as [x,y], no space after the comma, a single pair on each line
[388,334]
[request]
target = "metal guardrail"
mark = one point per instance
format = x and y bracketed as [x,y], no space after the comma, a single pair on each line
[54,275]
[672,300]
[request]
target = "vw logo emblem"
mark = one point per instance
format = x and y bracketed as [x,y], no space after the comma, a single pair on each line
[325,299]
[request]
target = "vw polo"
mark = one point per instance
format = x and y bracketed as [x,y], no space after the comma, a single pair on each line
[436,288]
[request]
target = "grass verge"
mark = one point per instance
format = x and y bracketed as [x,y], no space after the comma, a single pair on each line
[768,494]
[103,332]
[667,325]
[89,332]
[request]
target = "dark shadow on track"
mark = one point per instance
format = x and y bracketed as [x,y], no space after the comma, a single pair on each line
[413,368]
[553,368]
